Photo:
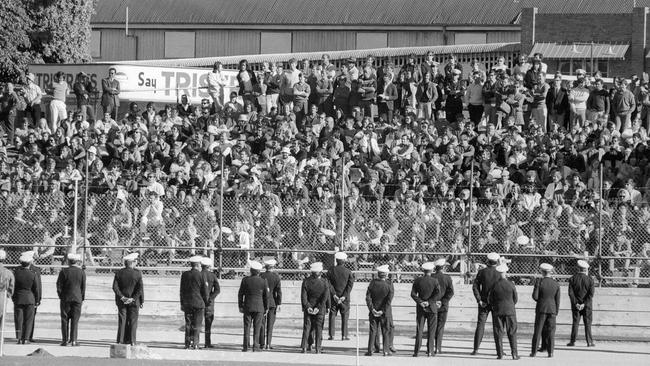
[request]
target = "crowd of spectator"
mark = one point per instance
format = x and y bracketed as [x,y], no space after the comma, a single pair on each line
[417,157]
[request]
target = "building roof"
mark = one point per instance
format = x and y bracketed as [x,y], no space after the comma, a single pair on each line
[342,12]
[580,51]
[334,55]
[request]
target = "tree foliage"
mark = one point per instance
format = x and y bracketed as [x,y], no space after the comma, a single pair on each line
[43,31]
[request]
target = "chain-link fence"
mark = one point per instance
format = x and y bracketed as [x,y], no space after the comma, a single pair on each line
[166,231]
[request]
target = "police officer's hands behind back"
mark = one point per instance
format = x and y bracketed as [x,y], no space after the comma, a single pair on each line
[482,304]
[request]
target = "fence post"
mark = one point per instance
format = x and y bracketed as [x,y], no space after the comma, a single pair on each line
[357,311]
[85,211]
[74,221]
[221,219]
[601,230]
[4,315]
[342,202]
[469,218]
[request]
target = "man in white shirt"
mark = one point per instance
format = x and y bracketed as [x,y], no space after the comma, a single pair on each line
[60,90]
[33,96]
[216,82]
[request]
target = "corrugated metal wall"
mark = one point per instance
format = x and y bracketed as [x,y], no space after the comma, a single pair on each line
[115,46]
[503,36]
[415,38]
[314,41]
[219,42]
[151,43]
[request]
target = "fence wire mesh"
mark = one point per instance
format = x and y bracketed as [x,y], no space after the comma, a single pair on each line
[403,233]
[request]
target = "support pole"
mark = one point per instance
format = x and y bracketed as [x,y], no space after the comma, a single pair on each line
[4,315]
[357,311]
[221,219]
[74,222]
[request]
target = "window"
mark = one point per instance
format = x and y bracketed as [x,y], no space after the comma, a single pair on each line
[569,67]
[371,40]
[96,44]
[275,42]
[470,38]
[179,44]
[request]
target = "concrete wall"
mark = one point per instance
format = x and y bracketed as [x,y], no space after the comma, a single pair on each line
[619,313]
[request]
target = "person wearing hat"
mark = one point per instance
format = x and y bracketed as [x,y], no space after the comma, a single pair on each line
[37,271]
[315,300]
[581,293]
[26,292]
[71,288]
[110,93]
[33,97]
[378,299]
[193,295]
[212,282]
[253,303]
[442,300]
[424,292]
[341,281]
[546,293]
[485,280]
[129,298]
[275,300]
[83,89]
[502,299]
[7,283]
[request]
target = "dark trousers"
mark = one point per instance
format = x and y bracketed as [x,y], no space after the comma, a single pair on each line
[377,324]
[256,319]
[312,323]
[475,113]
[70,314]
[266,334]
[23,320]
[544,329]
[440,329]
[480,325]
[193,320]
[9,119]
[586,315]
[505,324]
[209,318]
[344,309]
[127,323]
[431,320]
[31,331]
[390,327]
[34,112]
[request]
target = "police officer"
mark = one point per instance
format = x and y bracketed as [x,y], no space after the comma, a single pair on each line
[424,292]
[26,291]
[389,324]
[485,279]
[314,296]
[442,300]
[341,281]
[502,299]
[37,272]
[212,283]
[253,303]
[275,300]
[546,293]
[71,288]
[378,299]
[7,282]
[129,298]
[581,293]
[194,296]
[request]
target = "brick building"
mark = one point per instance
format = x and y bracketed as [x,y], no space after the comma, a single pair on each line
[613,43]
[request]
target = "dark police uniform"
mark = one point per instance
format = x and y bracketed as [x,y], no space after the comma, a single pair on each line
[485,280]
[502,299]
[212,283]
[37,271]
[26,291]
[275,300]
[127,284]
[389,324]
[445,294]
[71,288]
[581,292]
[341,281]
[253,302]
[314,294]
[194,296]
[547,294]
[425,289]
[379,297]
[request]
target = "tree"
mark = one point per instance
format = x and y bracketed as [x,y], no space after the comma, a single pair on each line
[43,31]
[15,44]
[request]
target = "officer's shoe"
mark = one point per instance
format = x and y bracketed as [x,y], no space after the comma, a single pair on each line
[346,338]
[208,346]
[330,338]
[570,344]
[74,344]
[63,344]
[474,352]
[592,344]
[302,350]
[386,354]
[392,349]
[369,354]
[533,354]
[550,355]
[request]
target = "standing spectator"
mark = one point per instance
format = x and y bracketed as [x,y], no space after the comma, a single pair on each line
[368,91]
[455,92]
[185,109]
[490,92]
[8,111]
[537,100]
[426,96]
[83,88]
[538,57]
[248,84]
[272,80]
[623,104]
[301,92]
[451,67]
[598,102]
[33,97]
[111,93]
[578,97]
[474,98]
[289,78]
[216,82]
[557,102]
[387,99]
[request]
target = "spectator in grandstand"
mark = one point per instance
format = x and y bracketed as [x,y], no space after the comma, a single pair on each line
[110,95]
